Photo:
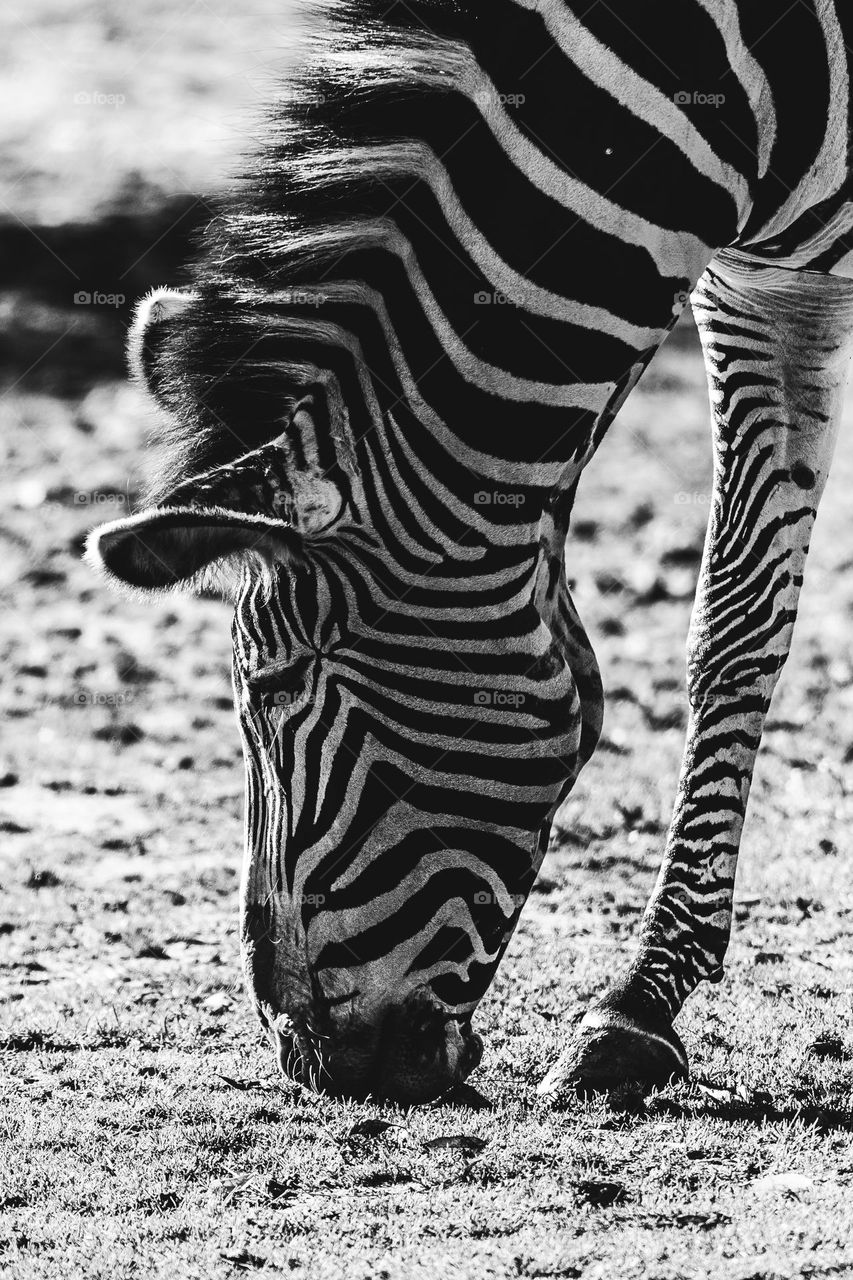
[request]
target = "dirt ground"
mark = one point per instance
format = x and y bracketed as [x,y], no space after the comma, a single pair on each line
[143,1131]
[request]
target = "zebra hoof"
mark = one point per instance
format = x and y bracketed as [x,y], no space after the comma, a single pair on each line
[609,1050]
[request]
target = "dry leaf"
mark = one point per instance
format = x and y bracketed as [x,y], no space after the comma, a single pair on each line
[723,1092]
[468,1143]
[370,1128]
[238,1084]
[600,1193]
[233,1186]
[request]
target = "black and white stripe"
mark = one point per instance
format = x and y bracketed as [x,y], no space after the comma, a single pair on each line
[471,228]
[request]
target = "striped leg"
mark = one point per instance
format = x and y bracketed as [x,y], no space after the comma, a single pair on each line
[777,345]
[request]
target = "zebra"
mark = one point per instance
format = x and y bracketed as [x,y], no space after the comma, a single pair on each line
[467,231]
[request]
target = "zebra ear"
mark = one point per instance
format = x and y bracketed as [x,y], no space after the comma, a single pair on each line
[264,504]
[154,317]
[170,546]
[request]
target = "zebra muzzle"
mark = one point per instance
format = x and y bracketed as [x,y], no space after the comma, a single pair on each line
[407,1056]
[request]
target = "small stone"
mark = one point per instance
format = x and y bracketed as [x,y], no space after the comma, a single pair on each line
[30,493]
[122,734]
[43,878]
[784,1183]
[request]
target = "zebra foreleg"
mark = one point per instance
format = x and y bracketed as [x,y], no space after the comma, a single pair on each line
[777,346]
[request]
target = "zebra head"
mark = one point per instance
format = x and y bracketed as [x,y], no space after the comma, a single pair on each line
[409,717]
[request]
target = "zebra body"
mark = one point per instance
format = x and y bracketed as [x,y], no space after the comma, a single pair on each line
[471,229]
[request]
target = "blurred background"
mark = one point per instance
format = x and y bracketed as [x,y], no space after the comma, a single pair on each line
[119,123]
[120,778]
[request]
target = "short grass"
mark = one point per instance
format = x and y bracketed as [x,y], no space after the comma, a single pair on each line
[143,1130]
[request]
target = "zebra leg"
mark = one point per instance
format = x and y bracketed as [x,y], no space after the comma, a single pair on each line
[555,604]
[777,346]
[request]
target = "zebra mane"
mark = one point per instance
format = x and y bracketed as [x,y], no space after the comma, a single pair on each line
[257,337]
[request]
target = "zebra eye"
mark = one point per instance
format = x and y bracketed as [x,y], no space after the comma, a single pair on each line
[279,683]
